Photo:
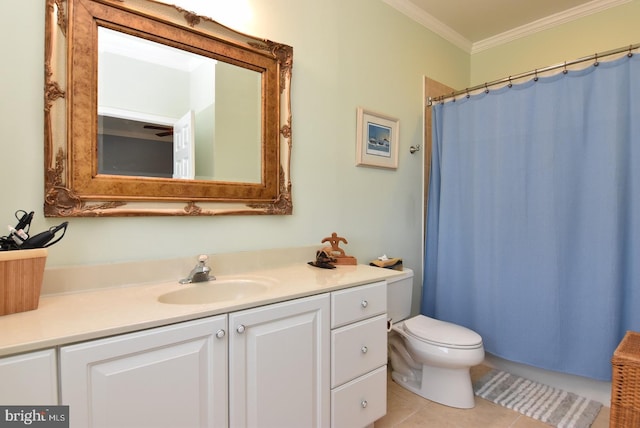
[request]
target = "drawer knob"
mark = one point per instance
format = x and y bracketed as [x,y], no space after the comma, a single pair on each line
[364,349]
[220,334]
[364,303]
[364,404]
[240,328]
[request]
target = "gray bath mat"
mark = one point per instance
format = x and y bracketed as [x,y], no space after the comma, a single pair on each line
[552,406]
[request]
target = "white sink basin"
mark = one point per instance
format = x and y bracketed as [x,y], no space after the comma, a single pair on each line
[218,290]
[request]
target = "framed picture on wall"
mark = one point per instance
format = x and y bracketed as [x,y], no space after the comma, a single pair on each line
[377,140]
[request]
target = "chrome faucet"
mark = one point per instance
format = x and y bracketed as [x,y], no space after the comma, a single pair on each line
[200,273]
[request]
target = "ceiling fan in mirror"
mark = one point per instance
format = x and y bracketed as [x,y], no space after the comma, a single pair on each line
[165,131]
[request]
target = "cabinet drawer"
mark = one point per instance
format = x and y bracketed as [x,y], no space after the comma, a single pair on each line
[357,349]
[358,303]
[360,402]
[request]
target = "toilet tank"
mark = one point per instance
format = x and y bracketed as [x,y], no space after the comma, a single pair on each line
[399,292]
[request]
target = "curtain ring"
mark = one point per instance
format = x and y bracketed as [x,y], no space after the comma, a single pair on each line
[596,63]
[535,79]
[453,96]
[630,54]
[565,71]
[510,83]
[486,89]
[468,96]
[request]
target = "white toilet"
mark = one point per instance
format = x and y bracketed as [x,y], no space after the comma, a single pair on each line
[430,357]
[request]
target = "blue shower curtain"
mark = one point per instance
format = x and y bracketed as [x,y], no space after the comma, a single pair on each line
[533,227]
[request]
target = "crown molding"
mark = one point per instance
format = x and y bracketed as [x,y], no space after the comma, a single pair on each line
[546,23]
[417,14]
[430,22]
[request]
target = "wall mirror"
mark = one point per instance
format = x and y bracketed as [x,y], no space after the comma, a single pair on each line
[153,110]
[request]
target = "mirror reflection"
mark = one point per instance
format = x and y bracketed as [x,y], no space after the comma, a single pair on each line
[166,112]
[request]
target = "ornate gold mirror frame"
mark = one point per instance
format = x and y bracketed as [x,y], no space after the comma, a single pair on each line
[73,185]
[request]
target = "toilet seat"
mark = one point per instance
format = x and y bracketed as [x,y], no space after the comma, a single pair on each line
[441,333]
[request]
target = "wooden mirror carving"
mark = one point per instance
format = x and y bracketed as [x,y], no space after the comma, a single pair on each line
[153,110]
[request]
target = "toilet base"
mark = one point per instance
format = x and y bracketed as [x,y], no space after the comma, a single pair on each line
[451,387]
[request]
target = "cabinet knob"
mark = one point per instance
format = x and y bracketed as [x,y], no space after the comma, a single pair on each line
[240,328]
[220,334]
[364,404]
[364,349]
[364,303]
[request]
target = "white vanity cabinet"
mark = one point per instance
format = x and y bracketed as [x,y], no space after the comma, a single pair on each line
[317,361]
[173,376]
[358,355]
[279,365]
[29,379]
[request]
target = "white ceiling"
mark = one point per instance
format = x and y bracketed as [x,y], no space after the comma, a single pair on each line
[141,49]
[475,25]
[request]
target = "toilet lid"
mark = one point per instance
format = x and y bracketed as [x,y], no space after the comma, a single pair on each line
[442,332]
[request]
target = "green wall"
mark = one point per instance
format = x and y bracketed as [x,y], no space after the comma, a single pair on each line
[346,54]
[610,29]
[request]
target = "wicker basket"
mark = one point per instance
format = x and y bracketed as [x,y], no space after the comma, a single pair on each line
[21,274]
[625,383]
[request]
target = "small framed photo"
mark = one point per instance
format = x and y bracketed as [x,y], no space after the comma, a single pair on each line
[377,140]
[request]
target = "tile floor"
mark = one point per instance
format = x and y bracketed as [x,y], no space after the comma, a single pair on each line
[407,410]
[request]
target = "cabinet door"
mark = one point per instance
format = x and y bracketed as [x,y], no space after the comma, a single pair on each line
[29,379]
[172,376]
[279,365]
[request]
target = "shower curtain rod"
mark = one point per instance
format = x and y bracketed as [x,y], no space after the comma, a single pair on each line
[535,72]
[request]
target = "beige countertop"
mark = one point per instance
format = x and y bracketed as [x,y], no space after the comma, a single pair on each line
[83,315]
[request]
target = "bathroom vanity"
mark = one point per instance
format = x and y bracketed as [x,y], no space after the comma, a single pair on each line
[310,352]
